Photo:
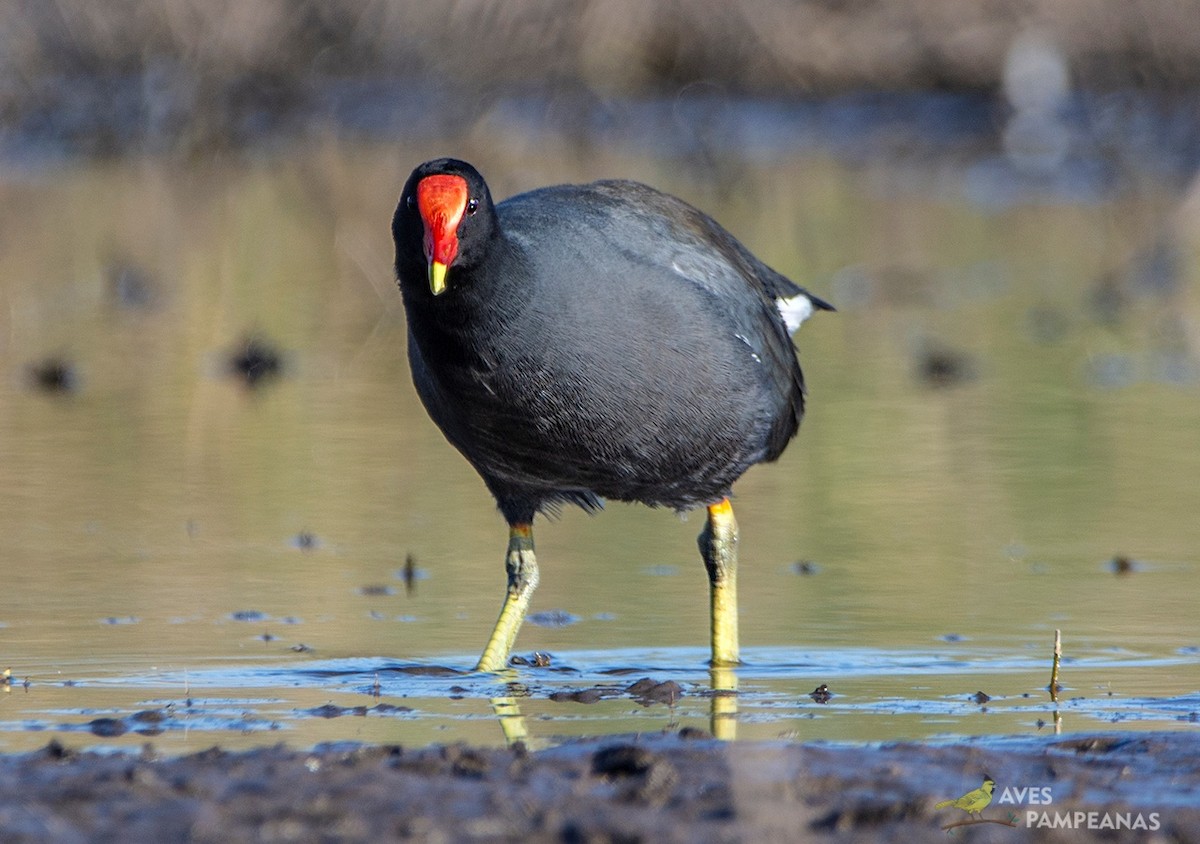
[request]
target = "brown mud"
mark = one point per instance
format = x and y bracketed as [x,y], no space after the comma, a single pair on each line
[683,787]
[188,75]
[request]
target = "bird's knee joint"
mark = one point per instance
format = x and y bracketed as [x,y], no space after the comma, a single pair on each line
[719,571]
[521,565]
[719,553]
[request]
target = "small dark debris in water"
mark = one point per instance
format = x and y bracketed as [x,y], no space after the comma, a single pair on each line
[694,734]
[1121,564]
[647,691]
[330,710]
[1047,324]
[107,727]
[248,615]
[267,636]
[409,574]
[898,284]
[821,694]
[302,648]
[552,618]
[376,590]
[953,637]
[1158,268]
[661,571]
[389,709]
[69,684]
[1174,366]
[1192,717]
[459,690]
[537,659]
[129,286]
[149,716]
[426,670]
[981,698]
[940,367]
[641,686]
[581,696]
[1111,371]
[1107,300]
[804,567]
[116,620]
[54,375]
[305,541]
[517,690]
[254,361]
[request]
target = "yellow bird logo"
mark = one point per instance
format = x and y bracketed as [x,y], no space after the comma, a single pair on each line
[973,802]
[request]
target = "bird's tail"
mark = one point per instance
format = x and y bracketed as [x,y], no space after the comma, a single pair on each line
[795,309]
[943,804]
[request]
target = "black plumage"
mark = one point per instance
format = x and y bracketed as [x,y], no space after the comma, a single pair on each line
[584,342]
[599,341]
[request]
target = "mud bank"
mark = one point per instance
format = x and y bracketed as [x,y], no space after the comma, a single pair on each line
[681,787]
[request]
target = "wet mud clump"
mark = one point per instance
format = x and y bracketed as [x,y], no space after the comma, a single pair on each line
[659,788]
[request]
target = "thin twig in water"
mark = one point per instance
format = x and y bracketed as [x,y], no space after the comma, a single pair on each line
[1054,668]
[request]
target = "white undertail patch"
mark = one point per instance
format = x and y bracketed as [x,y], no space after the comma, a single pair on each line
[795,310]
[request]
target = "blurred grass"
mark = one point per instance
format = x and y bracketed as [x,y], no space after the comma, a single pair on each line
[195,73]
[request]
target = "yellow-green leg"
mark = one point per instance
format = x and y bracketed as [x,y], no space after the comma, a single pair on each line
[724,704]
[512,722]
[718,546]
[522,580]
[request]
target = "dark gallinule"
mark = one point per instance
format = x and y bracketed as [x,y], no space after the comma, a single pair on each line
[583,342]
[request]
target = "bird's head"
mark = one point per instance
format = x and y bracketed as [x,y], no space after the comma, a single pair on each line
[444,219]
[989,784]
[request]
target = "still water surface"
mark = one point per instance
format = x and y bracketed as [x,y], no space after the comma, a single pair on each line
[1007,400]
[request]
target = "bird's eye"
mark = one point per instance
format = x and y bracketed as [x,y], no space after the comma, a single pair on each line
[472,207]
[411,202]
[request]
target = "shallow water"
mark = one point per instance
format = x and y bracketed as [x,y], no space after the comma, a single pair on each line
[1005,403]
[875,695]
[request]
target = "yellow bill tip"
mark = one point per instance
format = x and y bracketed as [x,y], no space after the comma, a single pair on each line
[437,277]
